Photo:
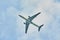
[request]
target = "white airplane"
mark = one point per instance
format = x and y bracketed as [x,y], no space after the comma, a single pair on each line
[29,21]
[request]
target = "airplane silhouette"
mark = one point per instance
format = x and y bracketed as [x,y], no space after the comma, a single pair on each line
[29,21]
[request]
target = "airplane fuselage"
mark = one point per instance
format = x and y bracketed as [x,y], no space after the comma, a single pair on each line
[29,21]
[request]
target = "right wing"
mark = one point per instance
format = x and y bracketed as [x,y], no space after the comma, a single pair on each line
[27,25]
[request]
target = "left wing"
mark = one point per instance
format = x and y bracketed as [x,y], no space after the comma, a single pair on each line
[32,17]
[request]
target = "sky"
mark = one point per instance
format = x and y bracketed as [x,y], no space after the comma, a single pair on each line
[12,26]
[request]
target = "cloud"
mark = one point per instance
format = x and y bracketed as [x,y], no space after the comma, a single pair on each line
[44,18]
[50,17]
[8,26]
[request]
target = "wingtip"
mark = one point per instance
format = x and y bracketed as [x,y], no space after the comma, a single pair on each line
[25,32]
[18,15]
[39,12]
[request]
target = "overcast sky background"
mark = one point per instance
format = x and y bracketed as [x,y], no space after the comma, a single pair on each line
[12,27]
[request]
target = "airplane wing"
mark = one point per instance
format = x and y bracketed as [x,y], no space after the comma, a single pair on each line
[27,25]
[28,21]
[32,17]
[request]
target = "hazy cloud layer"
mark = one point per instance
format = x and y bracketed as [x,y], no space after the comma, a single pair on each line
[12,27]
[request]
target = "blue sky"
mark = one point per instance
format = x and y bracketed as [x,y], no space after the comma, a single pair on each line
[12,27]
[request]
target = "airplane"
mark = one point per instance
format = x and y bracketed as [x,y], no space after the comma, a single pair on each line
[29,21]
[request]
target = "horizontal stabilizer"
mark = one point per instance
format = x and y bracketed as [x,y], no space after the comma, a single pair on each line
[40,27]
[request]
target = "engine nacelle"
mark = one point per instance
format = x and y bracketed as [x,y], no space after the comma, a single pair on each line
[24,23]
[29,16]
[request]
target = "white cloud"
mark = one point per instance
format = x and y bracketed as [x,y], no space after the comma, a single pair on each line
[11,11]
[49,10]
[2,18]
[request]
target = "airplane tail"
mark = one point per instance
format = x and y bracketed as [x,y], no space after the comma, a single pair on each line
[40,27]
